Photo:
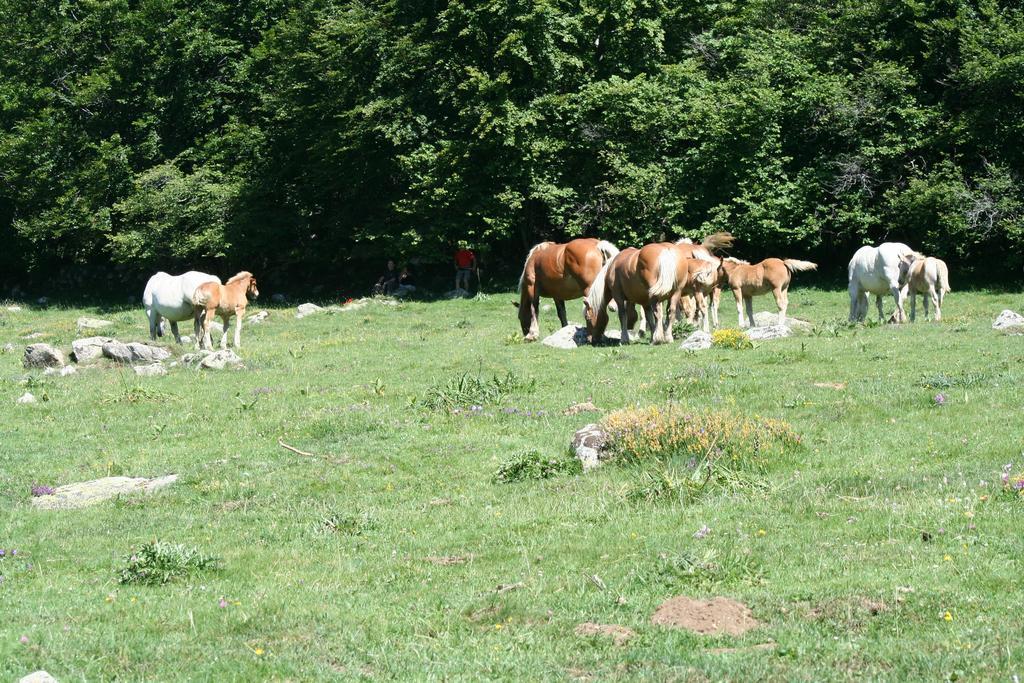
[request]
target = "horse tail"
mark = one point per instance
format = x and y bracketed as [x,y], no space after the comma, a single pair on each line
[796,266]
[718,240]
[942,277]
[666,282]
[597,294]
[607,249]
[201,296]
[706,275]
[526,263]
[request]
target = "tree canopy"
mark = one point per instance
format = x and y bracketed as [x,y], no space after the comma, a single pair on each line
[301,135]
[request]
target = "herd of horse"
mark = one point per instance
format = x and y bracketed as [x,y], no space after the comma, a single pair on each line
[669,281]
[666,280]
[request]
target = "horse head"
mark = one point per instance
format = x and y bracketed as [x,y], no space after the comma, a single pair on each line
[251,291]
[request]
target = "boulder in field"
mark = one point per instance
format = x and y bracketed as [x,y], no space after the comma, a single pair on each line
[26,398]
[88,349]
[134,352]
[307,309]
[766,319]
[588,443]
[1009,321]
[256,318]
[769,332]
[573,336]
[698,341]
[221,360]
[38,677]
[63,372]
[43,356]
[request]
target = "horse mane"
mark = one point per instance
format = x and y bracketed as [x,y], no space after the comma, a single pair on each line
[529,255]
[718,240]
[685,240]
[733,259]
[240,276]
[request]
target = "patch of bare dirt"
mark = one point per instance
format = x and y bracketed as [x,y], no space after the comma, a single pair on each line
[620,635]
[577,408]
[448,560]
[848,610]
[715,616]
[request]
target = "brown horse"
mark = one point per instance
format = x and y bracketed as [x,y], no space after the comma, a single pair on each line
[562,272]
[699,293]
[770,275]
[704,251]
[647,276]
[227,301]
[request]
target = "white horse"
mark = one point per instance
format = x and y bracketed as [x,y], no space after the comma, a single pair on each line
[876,270]
[929,278]
[170,297]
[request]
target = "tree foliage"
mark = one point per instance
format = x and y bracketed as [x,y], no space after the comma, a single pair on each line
[306,134]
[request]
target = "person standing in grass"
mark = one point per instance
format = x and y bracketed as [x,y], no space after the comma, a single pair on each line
[465,263]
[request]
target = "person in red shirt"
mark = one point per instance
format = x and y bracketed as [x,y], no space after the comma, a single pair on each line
[465,263]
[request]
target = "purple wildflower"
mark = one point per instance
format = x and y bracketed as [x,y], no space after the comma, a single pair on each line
[476,409]
[24,640]
[940,399]
[223,603]
[1018,485]
[1006,473]
[702,532]
[40,490]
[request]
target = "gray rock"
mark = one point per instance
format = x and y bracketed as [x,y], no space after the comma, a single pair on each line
[279,298]
[256,318]
[8,347]
[42,301]
[152,370]
[573,336]
[147,354]
[698,341]
[38,677]
[221,360]
[13,309]
[88,493]
[63,372]
[588,443]
[766,319]
[769,332]
[88,349]
[307,309]
[26,398]
[85,323]
[33,335]
[43,356]
[459,293]
[134,352]
[1009,321]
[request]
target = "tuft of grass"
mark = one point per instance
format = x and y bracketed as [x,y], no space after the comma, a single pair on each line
[465,390]
[345,524]
[531,465]
[157,563]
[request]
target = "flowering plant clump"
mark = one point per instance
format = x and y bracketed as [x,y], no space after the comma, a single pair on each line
[1012,483]
[40,490]
[682,454]
[157,563]
[730,339]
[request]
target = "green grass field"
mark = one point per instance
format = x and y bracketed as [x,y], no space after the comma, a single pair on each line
[884,549]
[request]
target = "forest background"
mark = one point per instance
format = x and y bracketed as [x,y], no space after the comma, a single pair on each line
[307,140]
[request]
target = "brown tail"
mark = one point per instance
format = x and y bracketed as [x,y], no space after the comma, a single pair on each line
[718,240]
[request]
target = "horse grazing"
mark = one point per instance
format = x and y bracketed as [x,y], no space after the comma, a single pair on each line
[225,300]
[562,272]
[648,276]
[770,275]
[876,270]
[687,305]
[170,297]
[928,277]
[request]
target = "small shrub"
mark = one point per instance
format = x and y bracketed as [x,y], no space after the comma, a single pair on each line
[467,390]
[680,455]
[531,465]
[731,339]
[157,563]
[345,524]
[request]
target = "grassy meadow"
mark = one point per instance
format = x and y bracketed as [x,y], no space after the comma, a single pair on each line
[883,548]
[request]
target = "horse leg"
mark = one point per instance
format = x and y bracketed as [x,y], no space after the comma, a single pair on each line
[702,310]
[878,304]
[913,306]
[739,307]
[897,294]
[238,328]
[154,322]
[936,304]
[560,308]
[782,301]
[174,329]
[716,298]
[623,311]
[749,301]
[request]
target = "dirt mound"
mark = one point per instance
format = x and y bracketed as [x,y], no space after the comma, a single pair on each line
[715,616]
[619,634]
